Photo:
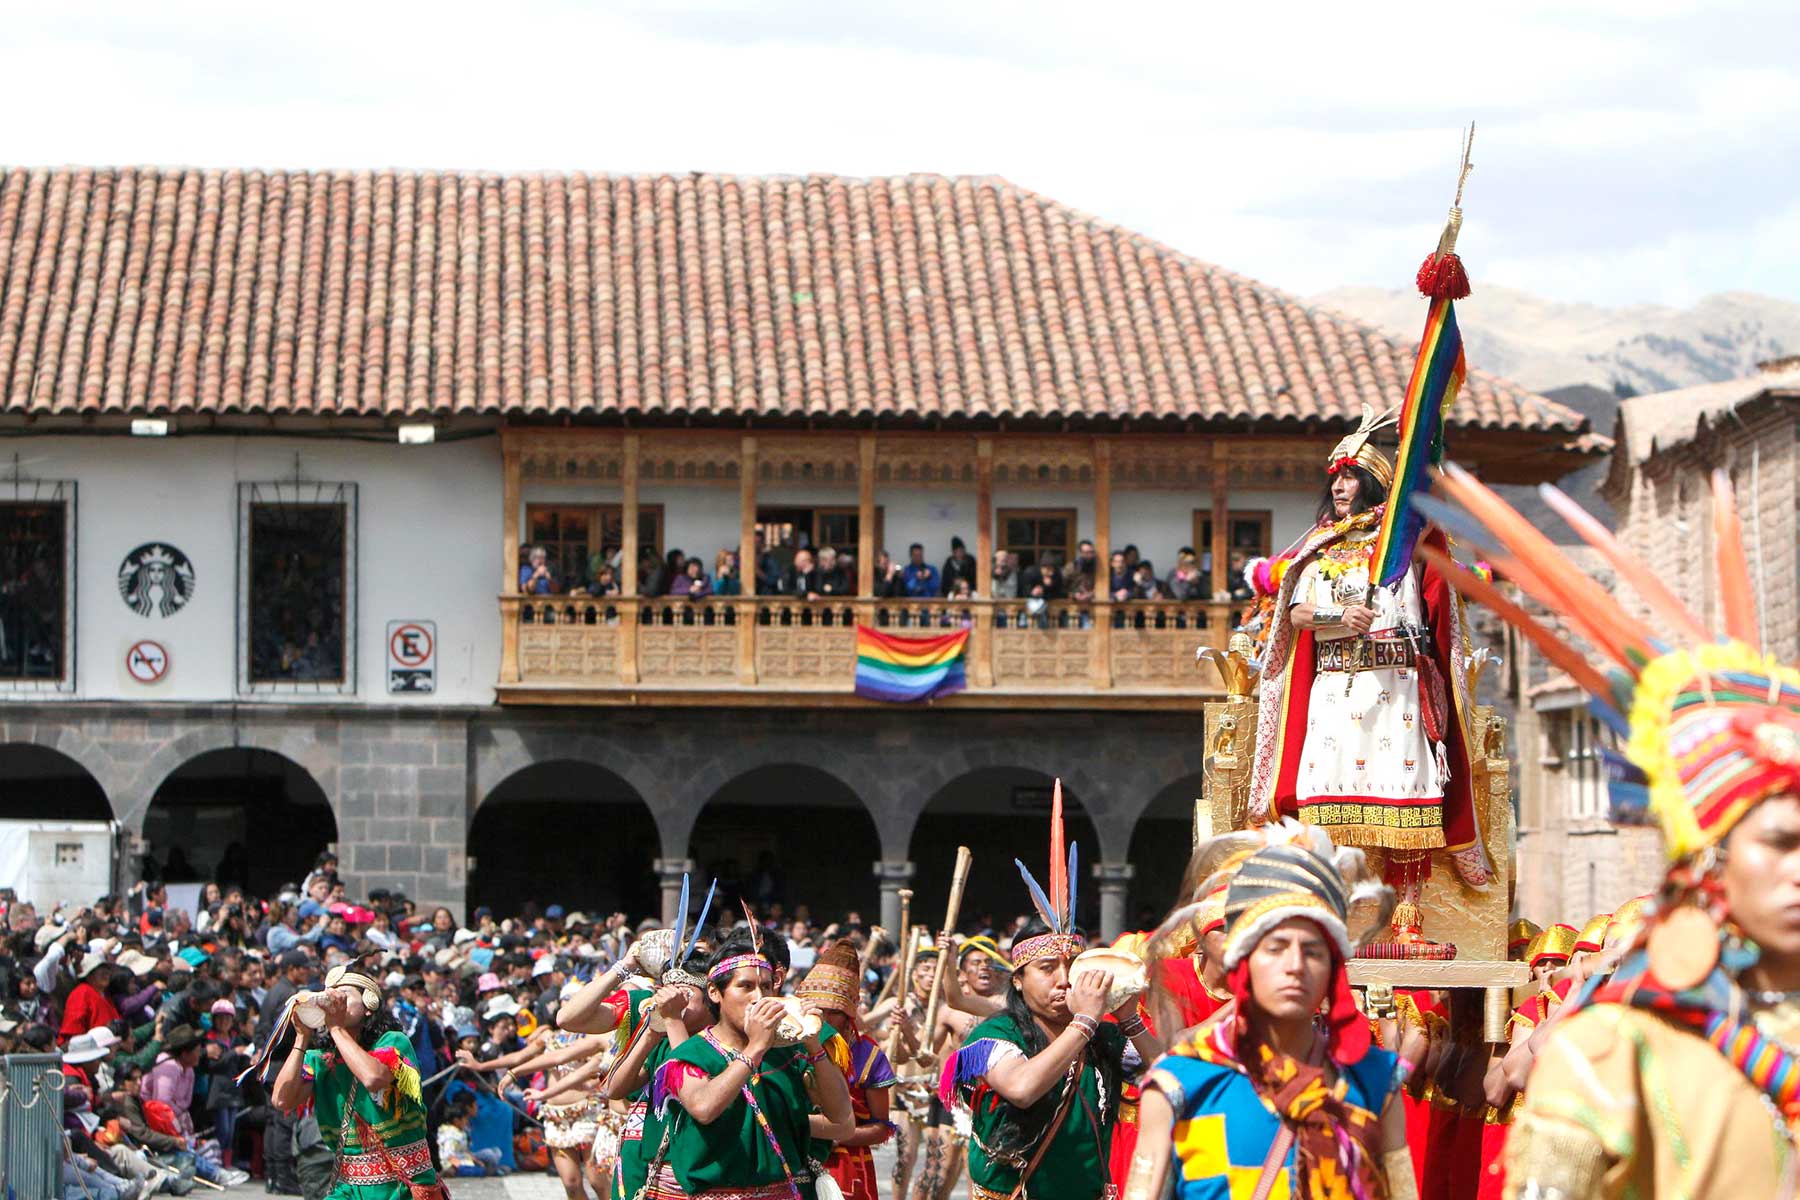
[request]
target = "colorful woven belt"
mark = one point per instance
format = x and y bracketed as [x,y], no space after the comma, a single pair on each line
[1363,654]
[376,1167]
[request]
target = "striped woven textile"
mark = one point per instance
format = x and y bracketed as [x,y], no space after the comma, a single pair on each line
[907,669]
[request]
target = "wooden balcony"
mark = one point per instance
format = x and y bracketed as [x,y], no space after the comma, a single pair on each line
[773,650]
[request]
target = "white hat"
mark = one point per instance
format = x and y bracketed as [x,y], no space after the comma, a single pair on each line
[464,935]
[543,966]
[91,962]
[570,989]
[48,932]
[103,1037]
[500,1006]
[137,962]
[82,1049]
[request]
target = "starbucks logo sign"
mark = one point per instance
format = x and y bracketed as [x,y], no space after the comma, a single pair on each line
[156,580]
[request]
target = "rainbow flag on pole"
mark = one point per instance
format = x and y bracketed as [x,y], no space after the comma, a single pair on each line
[905,669]
[1437,377]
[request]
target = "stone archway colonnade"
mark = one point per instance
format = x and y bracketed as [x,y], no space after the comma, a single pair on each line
[405,785]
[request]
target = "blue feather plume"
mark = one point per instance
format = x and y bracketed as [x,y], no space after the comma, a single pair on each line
[1069,917]
[699,925]
[681,916]
[1038,899]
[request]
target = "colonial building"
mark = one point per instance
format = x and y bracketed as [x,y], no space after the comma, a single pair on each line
[1572,861]
[282,447]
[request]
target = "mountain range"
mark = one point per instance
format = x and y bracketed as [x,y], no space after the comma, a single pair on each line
[1631,349]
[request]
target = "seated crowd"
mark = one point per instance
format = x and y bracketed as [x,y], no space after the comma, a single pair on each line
[156,1011]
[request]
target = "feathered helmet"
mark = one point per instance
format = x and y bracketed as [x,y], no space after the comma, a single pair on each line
[1356,449]
[1300,873]
[1057,906]
[1711,725]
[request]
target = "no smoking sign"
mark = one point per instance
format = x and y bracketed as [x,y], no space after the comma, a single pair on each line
[412,657]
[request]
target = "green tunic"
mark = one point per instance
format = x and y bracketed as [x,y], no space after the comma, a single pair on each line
[734,1151]
[636,1154]
[1075,1165]
[397,1119]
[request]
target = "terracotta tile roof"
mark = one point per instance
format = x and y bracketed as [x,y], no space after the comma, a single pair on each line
[695,297]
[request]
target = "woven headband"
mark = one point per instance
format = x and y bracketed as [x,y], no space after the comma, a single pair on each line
[1046,945]
[725,968]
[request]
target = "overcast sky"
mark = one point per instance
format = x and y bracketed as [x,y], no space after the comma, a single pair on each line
[1641,151]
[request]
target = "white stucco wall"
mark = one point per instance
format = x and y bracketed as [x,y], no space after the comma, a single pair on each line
[428,549]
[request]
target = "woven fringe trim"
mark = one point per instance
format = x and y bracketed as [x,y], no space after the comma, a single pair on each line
[1383,837]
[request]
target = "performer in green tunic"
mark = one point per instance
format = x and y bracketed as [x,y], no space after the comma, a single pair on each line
[741,1107]
[1042,1078]
[364,1084]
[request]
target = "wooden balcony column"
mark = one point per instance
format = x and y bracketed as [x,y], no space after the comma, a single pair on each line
[981,637]
[1219,630]
[509,557]
[746,610]
[628,561]
[1100,648]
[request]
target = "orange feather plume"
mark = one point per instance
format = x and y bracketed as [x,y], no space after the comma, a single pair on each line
[1630,568]
[1737,595]
[1059,867]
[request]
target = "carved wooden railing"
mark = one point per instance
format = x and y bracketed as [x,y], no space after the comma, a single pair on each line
[810,645]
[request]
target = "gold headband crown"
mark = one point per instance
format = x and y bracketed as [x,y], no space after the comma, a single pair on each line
[1357,447]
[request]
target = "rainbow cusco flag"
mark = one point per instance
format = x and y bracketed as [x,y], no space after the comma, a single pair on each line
[904,669]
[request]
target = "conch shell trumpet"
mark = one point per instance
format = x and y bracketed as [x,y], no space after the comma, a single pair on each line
[307,1011]
[654,950]
[1130,977]
[797,1025]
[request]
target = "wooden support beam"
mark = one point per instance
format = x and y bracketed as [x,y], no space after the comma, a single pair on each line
[628,561]
[746,612]
[981,637]
[1100,648]
[509,556]
[1221,517]
[865,515]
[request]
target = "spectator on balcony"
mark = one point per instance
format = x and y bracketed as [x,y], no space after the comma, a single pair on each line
[606,581]
[674,568]
[725,574]
[1006,575]
[960,565]
[1118,586]
[920,578]
[534,577]
[692,582]
[802,579]
[1086,563]
[833,579]
[1133,558]
[1048,585]
[889,581]
[1186,581]
[769,569]
[1144,584]
[1235,582]
[653,578]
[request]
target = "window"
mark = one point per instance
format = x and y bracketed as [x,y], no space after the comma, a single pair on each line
[1036,533]
[841,529]
[1246,531]
[297,587]
[1584,769]
[37,616]
[569,534]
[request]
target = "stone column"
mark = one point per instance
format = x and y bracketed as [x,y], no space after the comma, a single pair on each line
[891,877]
[1115,886]
[668,873]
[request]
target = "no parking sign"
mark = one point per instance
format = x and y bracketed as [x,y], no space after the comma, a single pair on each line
[412,657]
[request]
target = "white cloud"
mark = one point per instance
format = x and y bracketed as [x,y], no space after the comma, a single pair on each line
[1627,151]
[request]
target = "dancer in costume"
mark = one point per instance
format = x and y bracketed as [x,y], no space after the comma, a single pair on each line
[975,991]
[363,1082]
[1547,953]
[1361,728]
[1043,1078]
[833,989]
[1678,1074]
[919,1108]
[740,1106]
[1276,1097]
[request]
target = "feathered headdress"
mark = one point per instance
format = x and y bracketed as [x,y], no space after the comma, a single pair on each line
[756,957]
[687,937]
[1712,725]
[1056,907]
[1355,448]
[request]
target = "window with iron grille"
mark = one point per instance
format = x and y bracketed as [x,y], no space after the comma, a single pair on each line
[297,588]
[37,585]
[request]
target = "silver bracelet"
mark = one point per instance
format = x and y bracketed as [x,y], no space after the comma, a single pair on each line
[1327,616]
[1088,1025]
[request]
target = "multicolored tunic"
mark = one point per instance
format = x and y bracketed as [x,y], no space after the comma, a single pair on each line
[346,1112]
[854,1166]
[1074,1167]
[1223,1126]
[754,1150]
[629,1174]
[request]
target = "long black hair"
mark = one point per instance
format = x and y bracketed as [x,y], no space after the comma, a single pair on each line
[739,943]
[1022,1128]
[1369,493]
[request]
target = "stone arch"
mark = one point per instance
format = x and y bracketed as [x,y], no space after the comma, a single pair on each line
[238,814]
[716,774]
[788,832]
[311,747]
[1161,843]
[503,751]
[566,831]
[1046,760]
[41,782]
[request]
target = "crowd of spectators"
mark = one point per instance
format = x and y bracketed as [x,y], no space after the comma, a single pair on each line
[156,1011]
[827,573]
